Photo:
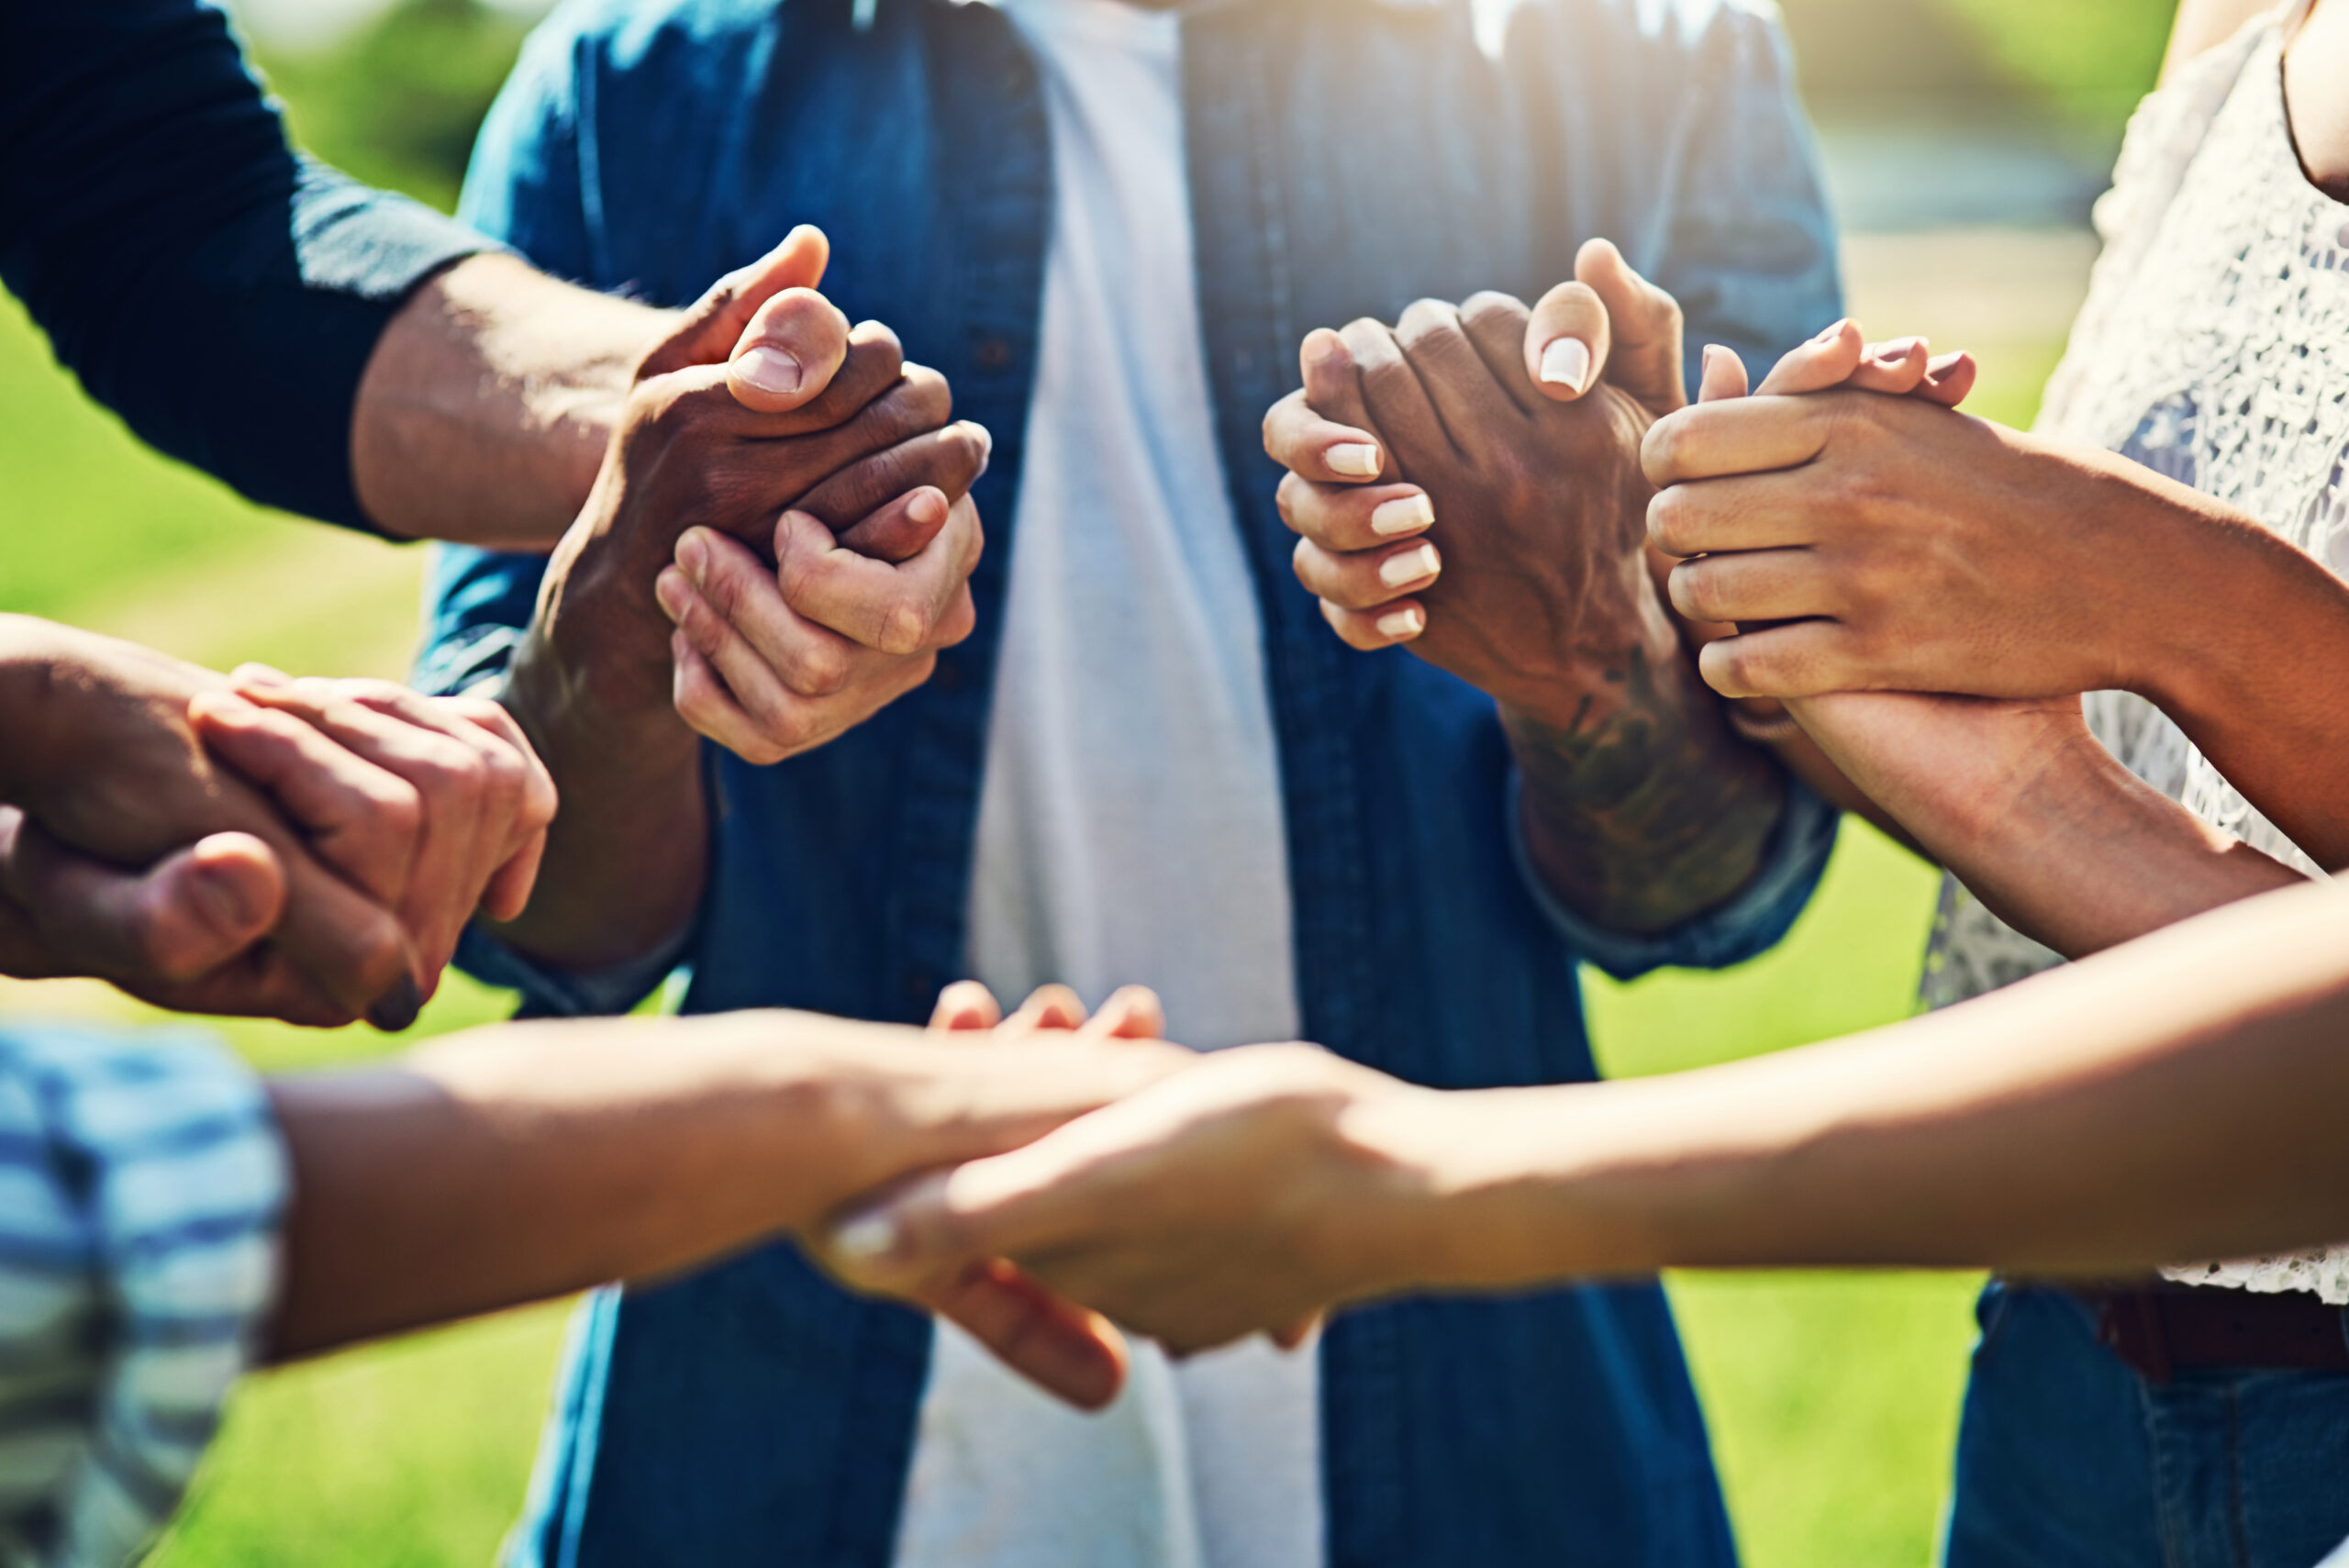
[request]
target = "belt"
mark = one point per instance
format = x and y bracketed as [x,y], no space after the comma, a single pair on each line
[2167,1327]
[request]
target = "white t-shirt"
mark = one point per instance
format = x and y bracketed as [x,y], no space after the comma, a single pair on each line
[1129,829]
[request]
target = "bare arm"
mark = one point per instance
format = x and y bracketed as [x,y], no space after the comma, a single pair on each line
[488,402]
[2205,24]
[2178,1098]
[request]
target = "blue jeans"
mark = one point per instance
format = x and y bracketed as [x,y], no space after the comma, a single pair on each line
[2068,1459]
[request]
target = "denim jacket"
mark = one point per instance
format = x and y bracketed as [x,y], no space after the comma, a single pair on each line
[1345,156]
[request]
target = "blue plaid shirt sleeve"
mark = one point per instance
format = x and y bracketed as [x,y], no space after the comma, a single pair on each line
[142,1180]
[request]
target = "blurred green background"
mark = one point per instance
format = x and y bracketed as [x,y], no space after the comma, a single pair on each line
[1833,1399]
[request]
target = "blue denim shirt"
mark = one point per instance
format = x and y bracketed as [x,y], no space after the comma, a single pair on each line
[1345,156]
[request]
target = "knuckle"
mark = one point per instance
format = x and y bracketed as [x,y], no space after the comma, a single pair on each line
[821,670]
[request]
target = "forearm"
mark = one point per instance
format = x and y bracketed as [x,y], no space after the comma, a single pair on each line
[1641,808]
[488,403]
[2177,1100]
[627,853]
[525,1162]
[2087,856]
[2243,651]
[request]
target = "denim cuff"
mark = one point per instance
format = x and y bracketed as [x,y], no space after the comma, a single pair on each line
[1747,926]
[567,994]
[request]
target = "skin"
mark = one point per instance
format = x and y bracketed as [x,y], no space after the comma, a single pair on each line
[2015,796]
[249,844]
[2176,1098]
[1521,566]
[518,1164]
[664,617]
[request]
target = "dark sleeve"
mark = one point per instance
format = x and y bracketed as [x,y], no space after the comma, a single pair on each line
[219,292]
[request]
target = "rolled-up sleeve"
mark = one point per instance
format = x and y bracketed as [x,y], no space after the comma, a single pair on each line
[1747,927]
[142,1182]
[219,292]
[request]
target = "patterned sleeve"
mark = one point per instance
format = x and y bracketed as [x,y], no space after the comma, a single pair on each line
[141,1184]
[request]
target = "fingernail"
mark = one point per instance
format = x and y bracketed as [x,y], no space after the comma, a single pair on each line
[866,1237]
[1834,332]
[1941,365]
[672,595]
[228,898]
[771,371]
[1354,459]
[1897,351]
[397,1007]
[1566,363]
[1402,625]
[693,555]
[1409,566]
[1402,515]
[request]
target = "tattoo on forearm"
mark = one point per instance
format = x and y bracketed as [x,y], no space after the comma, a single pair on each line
[1643,809]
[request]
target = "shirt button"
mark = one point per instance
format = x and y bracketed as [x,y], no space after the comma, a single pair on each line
[992,354]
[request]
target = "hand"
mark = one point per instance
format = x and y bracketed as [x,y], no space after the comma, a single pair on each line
[1072,1351]
[809,417]
[1443,426]
[170,817]
[1246,1196]
[1906,547]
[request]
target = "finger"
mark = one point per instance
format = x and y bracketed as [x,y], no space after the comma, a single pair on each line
[1825,360]
[898,530]
[966,1004]
[1132,1012]
[1754,585]
[1745,434]
[1896,368]
[188,915]
[949,460]
[1389,626]
[1323,431]
[1348,517]
[1067,1350]
[472,786]
[1364,579]
[1567,339]
[737,615]
[1777,511]
[1644,324]
[360,817]
[1949,379]
[509,893]
[1396,402]
[795,344]
[1800,658]
[901,609]
[726,689]
[1497,325]
[715,322]
[1724,375]
[1467,397]
[1053,1007]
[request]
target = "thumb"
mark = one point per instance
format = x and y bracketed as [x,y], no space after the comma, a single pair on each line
[1645,322]
[180,919]
[713,326]
[794,345]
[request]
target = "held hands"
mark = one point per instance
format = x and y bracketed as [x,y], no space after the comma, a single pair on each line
[305,850]
[781,537]
[1249,1193]
[1467,482]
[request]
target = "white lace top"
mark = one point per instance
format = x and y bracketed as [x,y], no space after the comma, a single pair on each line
[2214,348]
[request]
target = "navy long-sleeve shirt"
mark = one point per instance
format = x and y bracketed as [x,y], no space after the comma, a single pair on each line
[217,290]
